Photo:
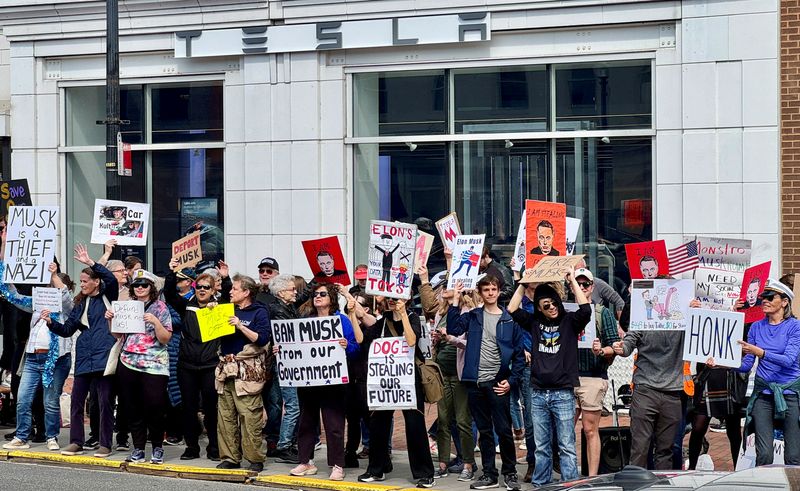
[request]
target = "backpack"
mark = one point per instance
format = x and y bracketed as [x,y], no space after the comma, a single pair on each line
[429,373]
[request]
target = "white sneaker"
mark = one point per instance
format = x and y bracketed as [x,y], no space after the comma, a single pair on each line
[6,379]
[52,444]
[16,444]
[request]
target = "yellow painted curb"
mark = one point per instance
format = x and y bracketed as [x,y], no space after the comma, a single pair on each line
[191,472]
[4,454]
[311,483]
[64,459]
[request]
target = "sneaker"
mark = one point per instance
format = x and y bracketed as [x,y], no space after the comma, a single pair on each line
[122,446]
[52,445]
[511,482]
[16,444]
[455,466]
[190,454]
[256,467]
[6,379]
[484,482]
[364,453]
[91,444]
[158,456]
[102,452]
[172,441]
[368,477]
[227,464]
[337,474]
[136,456]
[72,449]
[10,436]
[304,470]
[318,445]
[425,482]
[466,475]
[287,456]
[477,449]
[440,473]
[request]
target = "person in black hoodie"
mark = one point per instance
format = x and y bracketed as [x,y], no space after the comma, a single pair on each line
[196,362]
[554,373]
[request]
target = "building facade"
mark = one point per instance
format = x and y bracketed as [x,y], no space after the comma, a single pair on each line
[277,121]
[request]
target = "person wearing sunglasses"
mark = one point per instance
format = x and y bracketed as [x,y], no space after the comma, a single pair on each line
[267,269]
[775,341]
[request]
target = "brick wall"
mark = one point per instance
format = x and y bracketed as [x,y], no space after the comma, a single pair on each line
[790,134]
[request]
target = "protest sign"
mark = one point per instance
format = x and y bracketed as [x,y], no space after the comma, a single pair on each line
[14,193]
[30,243]
[747,456]
[753,282]
[128,317]
[310,354]
[550,268]
[390,375]
[721,265]
[213,323]
[391,259]
[425,343]
[124,221]
[573,225]
[187,251]
[660,305]
[466,261]
[518,260]
[448,228]
[545,230]
[423,250]
[326,260]
[45,298]
[647,260]
[714,333]
[589,333]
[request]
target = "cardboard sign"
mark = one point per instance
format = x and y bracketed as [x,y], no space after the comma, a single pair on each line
[14,193]
[310,354]
[46,299]
[128,317]
[714,334]
[660,305]
[449,229]
[545,230]
[30,244]
[753,282]
[589,333]
[747,457]
[423,250]
[213,323]
[550,268]
[518,260]
[187,251]
[390,375]
[647,260]
[121,220]
[466,261]
[326,260]
[718,278]
[391,259]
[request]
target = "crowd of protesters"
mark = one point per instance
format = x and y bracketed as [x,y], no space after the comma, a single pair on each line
[508,352]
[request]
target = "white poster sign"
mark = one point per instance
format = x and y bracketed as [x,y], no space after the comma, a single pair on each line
[30,243]
[660,305]
[46,299]
[466,261]
[747,458]
[718,277]
[392,246]
[124,221]
[128,317]
[310,354]
[449,229]
[573,225]
[714,333]
[589,333]
[390,375]
[518,260]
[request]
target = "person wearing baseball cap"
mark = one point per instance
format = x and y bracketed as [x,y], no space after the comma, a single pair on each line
[267,269]
[186,277]
[360,277]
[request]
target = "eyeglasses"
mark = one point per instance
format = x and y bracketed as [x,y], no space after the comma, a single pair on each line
[113,271]
[320,294]
[142,285]
[266,270]
[768,296]
[203,287]
[585,284]
[548,306]
[292,289]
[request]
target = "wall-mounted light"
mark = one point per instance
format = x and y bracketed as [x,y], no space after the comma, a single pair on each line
[509,144]
[411,146]
[605,139]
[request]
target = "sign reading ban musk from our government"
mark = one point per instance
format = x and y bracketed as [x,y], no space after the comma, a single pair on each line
[390,375]
[310,354]
[714,334]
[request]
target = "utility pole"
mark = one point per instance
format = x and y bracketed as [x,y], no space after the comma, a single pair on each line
[112,120]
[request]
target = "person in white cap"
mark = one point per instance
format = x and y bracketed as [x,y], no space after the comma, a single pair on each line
[775,341]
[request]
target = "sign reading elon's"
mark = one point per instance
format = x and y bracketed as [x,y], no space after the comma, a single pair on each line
[375,33]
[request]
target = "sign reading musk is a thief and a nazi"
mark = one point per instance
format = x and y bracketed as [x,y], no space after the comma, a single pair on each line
[374,33]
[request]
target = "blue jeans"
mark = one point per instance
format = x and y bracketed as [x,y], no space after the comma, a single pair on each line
[273,403]
[30,381]
[517,407]
[558,406]
[290,417]
[525,393]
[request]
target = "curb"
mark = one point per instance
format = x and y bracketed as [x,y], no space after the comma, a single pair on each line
[292,482]
[191,472]
[58,459]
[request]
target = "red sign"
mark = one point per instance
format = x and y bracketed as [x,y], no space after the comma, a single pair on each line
[647,260]
[753,281]
[545,230]
[326,260]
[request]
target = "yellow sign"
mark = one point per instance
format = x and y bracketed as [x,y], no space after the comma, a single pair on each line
[214,322]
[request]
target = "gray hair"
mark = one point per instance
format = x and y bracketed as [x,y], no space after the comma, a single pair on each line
[115,264]
[213,272]
[280,283]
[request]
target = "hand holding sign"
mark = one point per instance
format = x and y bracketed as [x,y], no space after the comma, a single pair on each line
[215,322]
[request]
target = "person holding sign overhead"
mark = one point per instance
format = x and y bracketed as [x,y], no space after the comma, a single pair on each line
[775,341]
[99,288]
[328,399]
[144,370]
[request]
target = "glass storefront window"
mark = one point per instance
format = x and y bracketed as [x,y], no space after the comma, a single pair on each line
[87,105]
[187,112]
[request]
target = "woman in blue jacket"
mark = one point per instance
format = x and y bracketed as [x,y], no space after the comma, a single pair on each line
[99,288]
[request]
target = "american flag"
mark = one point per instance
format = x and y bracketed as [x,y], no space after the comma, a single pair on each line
[683,258]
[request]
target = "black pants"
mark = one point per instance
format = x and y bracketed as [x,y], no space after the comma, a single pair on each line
[195,384]
[355,410]
[330,401]
[9,318]
[419,453]
[120,418]
[492,414]
[145,399]
[655,415]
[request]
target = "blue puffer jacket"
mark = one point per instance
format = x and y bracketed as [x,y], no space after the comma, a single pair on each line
[95,341]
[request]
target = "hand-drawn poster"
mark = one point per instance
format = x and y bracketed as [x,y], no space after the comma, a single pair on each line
[718,278]
[121,220]
[647,260]
[550,269]
[30,244]
[391,259]
[14,193]
[326,260]
[589,333]
[423,251]
[753,282]
[573,225]
[714,334]
[466,261]
[310,354]
[390,375]
[448,228]
[660,305]
[187,251]
[545,230]
[518,260]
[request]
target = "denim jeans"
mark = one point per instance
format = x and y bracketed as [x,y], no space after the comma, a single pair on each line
[288,432]
[558,406]
[525,392]
[763,414]
[273,403]
[30,381]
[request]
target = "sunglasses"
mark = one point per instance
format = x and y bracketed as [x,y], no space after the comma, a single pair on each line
[768,296]
[203,287]
[548,305]
[585,284]
[320,294]
[141,285]
[266,270]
